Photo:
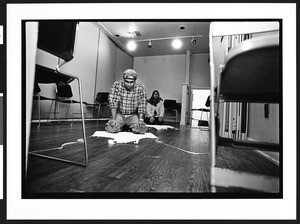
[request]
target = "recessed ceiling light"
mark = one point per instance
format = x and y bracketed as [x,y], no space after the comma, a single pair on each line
[131,45]
[182,27]
[117,35]
[176,43]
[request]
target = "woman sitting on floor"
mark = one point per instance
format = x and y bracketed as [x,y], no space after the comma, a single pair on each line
[155,109]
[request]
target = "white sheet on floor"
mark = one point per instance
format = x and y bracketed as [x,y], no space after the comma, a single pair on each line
[123,137]
[160,127]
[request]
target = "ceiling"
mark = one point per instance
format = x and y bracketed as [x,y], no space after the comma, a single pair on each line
[161,35]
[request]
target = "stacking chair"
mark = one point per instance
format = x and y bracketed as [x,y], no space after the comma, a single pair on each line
[171,106]
[250,73]
[59,38]
[205,110]
[101,100]
[64,94]
[38,98]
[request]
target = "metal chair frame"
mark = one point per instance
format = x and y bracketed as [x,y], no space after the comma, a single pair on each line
[227,177]
[36,153]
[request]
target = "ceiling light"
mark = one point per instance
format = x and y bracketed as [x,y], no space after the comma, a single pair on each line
[176,43]
[149,44]
[131,45]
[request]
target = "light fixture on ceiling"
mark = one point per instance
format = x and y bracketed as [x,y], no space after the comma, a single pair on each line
[131,45]
[176,43]
[193,40]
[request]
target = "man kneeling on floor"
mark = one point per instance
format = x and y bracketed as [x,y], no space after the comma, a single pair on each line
[127,102]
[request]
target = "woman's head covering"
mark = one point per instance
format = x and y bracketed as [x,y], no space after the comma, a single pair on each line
[154,101]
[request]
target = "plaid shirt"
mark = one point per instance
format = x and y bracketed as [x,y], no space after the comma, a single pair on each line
[128,102]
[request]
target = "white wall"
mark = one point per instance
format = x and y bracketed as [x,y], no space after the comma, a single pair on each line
[162,73]
[106,64]
[84,62]
[199,71]
[111,64]
[123,62]
[167,73]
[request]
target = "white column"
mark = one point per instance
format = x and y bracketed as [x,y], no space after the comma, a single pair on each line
[187,67]
[185,91]
[183,103]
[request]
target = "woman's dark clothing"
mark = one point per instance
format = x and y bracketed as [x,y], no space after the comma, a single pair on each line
[156,121]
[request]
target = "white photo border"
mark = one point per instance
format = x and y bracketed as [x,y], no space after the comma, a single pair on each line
[122,209]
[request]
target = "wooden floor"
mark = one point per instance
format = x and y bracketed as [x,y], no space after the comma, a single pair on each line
[150,166]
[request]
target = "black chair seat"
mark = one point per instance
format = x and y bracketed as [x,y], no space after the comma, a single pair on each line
[251,72]
[202,109]
[48,75]
[38,97]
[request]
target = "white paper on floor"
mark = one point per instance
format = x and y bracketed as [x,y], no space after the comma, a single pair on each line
[123,137]
[161,127]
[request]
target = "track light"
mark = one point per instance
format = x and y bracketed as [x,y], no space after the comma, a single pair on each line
[193,40]
[176,43]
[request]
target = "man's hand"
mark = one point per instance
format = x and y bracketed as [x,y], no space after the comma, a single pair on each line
[112,126]
[112,122]
[141,127]
[160,119]
[151,119]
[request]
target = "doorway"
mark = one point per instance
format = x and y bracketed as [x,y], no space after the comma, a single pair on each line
[199,97]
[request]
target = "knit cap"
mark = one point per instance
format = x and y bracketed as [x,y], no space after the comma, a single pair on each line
[130,74]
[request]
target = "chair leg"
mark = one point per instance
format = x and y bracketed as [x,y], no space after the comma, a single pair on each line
[98,114]
[50,111]
[71,105]
[200,120]
[71,111]
[67,112]
[83,124]
[39,102]
[207,117]
[58,112]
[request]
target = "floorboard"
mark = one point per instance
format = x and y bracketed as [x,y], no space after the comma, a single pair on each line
[179,164]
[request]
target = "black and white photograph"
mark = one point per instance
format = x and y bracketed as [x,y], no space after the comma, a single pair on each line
[125,113]
[137,116]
